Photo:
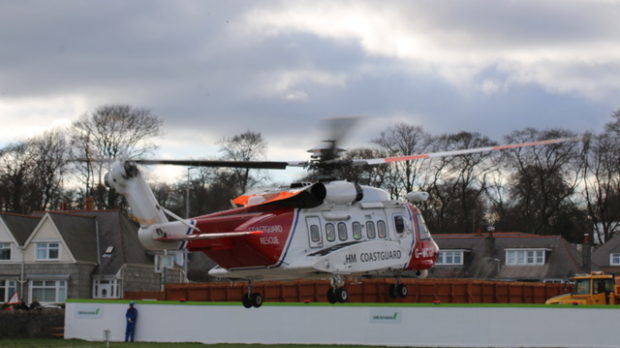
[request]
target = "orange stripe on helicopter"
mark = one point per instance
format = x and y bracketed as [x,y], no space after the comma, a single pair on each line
[244,200]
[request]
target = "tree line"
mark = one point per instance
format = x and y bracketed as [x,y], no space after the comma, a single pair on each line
[568,189]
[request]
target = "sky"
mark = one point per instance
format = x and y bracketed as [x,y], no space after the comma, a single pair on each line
[213,69]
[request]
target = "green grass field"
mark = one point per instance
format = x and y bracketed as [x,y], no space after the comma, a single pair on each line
[52,343]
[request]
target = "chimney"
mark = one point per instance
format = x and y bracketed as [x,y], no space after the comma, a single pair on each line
[489,243]
[89,203]
[586,253]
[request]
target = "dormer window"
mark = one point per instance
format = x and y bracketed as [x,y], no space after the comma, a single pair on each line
[5,251]
[48,251]
[530,257]
[450,258]
[614,259]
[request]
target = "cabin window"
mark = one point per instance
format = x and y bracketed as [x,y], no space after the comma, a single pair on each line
[330,232]
[314,231]
[381,229]
[582,287]
[315,235]
[5,251]
[399,223]
[614,259]
[343,234]
[356,227]
[371,233]
[424,233]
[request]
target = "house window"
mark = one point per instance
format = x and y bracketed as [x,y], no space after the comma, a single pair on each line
[106,288]
[450,257]
[5,251]
[7,289]
[614,259]
[48,251]
[525,256]
[54,291]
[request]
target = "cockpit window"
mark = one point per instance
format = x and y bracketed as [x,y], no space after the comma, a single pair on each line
[424,233]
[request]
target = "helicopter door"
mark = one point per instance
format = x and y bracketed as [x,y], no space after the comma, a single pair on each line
[315,235]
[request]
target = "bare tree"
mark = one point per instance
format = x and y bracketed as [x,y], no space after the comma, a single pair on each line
[401,140]
[543,181]
[375,175]
[601,179]
[31,173]
[247,146]
[459,184]
[112,132]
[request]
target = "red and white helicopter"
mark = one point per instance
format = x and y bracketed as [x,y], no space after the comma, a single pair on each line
[328,229]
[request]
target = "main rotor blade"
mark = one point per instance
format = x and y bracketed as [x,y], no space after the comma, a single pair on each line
[226,164]
[375,161]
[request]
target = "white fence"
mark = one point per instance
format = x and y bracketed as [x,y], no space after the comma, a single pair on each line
[424,326]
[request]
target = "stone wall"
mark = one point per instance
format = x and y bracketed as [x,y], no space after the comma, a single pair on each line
[31,324]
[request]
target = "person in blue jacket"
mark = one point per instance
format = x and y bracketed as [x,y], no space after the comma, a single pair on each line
[131,316]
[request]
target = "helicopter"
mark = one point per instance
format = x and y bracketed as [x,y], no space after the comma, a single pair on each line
[330,228]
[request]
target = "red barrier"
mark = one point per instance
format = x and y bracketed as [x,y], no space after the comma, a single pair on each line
[367,290]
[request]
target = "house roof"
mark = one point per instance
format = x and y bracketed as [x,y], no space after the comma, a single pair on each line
[600,256]
[115,230]
[21,226]
[485,256]
[79,233]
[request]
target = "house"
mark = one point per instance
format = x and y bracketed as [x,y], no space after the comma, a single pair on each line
[607,256]
[14,231]
[53,256]
[506,256]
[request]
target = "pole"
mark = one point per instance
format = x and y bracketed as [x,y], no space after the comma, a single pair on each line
[187,195]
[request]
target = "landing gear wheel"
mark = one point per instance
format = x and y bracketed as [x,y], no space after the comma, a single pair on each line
[331,296]
[393,292]
[342,295]
[402,290]
[246,300]
[256,299]
[398,290]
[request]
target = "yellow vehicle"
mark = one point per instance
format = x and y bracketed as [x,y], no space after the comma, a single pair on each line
[591,289]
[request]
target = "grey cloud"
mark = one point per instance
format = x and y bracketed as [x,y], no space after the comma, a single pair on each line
[194,64]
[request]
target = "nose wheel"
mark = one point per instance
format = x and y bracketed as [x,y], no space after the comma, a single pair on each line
[398,290]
